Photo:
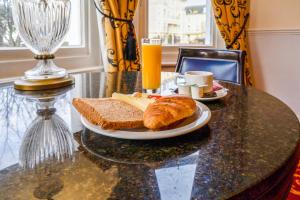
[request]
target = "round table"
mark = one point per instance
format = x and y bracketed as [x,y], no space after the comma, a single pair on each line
[248,150]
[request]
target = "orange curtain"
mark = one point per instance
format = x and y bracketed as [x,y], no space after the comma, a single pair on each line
[231,17]
[116,16]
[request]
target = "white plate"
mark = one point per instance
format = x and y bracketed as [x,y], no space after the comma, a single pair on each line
[220,94]
[198,120]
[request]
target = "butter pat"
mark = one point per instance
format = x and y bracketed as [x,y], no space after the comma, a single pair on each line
[140,102]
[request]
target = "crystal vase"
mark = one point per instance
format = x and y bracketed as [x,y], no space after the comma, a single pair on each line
[42,25]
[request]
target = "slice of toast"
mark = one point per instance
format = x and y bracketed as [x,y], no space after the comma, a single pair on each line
[109,113]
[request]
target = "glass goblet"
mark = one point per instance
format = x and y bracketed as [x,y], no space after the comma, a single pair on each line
[42,25]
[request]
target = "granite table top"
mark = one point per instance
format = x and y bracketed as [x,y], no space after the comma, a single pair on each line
[250,136]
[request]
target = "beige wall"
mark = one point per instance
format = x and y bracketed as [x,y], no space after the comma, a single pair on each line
[274,40]
[275,14]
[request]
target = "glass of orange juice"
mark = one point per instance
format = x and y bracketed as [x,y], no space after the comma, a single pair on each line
[151,64]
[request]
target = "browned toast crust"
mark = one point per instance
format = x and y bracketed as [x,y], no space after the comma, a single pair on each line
[109,113]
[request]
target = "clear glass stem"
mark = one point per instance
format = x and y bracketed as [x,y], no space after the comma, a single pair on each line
[45,69]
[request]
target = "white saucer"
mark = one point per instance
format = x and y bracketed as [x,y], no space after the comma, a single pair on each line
[220,94]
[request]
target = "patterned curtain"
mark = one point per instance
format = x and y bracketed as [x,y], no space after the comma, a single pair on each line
[231,17]
[120,39]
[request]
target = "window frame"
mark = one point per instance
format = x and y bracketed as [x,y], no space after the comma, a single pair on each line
[170,53]
[15,61]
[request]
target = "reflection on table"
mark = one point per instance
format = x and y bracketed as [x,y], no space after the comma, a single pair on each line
[48,137]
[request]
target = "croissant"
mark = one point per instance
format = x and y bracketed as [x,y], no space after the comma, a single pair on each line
[168,110]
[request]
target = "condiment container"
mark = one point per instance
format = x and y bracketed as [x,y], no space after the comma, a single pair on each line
[198,91]
[184,89]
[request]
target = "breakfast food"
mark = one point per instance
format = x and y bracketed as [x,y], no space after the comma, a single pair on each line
[135,111]
[210,94]
[168,110]
[109,113]
[139,100]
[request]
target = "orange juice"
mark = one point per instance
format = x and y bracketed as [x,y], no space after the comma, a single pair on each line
[151,66]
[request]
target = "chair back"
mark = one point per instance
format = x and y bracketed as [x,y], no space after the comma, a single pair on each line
[226,65]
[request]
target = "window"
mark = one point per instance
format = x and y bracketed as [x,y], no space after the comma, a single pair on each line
[9,37]
[180,22]
[75,35]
